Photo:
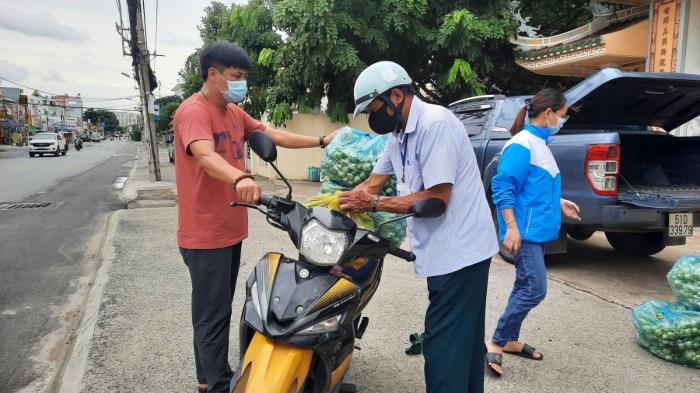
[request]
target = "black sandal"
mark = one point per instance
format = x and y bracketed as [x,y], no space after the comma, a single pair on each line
[416,347]
[527,352]
[495,358]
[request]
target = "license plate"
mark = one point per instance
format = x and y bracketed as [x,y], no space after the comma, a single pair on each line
[680,224]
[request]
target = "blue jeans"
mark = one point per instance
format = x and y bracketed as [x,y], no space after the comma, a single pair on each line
[529,290]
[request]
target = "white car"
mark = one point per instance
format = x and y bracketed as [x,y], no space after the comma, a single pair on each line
[48,143]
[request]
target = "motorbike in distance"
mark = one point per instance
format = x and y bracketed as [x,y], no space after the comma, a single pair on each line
[302,315]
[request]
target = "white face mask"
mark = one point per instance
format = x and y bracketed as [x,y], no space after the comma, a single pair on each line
[236,91]
[557,127]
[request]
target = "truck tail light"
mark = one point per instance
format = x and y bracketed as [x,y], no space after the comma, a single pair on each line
[603,168]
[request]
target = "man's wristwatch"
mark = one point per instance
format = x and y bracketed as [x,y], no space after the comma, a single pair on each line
[375,203]
[322,141]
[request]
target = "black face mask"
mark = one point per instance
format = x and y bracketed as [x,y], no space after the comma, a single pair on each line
[383,123]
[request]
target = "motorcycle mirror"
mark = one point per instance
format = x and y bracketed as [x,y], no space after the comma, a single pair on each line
[428,208]
[262,146]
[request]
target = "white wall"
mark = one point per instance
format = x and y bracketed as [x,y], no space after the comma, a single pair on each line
[293,163]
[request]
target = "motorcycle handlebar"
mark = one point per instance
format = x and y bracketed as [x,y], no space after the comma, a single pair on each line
[265,201]
[403,254]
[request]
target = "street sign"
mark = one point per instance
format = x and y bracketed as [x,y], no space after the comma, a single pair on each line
[157,116]
[23,99]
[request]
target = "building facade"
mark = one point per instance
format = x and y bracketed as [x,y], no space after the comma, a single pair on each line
[127,119]
[636,35]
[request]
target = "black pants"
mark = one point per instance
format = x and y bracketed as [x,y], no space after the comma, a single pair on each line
[453,346]
[213,274]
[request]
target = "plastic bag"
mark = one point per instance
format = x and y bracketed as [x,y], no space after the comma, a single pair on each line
[332,201]
[395,232]
[347,162]
[684,278]
[669,331]
[350,158]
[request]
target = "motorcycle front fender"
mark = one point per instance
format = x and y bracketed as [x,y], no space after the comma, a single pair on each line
[273,367]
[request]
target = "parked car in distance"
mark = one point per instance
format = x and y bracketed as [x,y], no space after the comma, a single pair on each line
[632,179]
[48,143]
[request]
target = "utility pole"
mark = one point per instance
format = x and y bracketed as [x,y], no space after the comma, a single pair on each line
[142,71]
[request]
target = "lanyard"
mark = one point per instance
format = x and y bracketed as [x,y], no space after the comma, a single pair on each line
[403,160]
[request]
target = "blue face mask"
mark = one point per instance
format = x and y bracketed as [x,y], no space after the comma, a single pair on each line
[557,127]
[237,90]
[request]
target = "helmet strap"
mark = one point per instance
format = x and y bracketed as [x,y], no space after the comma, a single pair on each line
[398,110]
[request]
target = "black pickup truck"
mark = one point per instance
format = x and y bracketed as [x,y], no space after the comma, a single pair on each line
[631,178]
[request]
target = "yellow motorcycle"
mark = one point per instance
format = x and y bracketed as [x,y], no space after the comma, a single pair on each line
[302,315]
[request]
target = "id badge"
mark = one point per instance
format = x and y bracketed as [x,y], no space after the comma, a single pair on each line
[402,189]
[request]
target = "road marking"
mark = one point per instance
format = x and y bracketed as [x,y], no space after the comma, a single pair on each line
[23,205]
[9,312]
[118,183]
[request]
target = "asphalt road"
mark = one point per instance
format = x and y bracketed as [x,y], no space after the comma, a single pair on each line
[45,252]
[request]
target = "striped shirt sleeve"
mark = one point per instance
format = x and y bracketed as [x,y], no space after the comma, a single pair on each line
[383,165]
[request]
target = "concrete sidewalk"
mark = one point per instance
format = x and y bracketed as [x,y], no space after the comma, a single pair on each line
[141,337]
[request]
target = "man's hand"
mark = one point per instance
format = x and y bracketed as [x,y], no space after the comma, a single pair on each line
[356,201]
[329,138]
[570,209]
[248,191]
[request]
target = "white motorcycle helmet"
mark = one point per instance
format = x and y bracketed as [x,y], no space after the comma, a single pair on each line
[377,79]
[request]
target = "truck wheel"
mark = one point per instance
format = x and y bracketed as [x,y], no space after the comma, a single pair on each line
[57,152]
[638,244]
[63,153]
[31,154]
[579,233]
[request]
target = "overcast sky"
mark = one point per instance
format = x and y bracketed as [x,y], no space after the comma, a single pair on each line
[72,46]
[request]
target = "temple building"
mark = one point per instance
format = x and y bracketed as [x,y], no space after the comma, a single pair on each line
[630,35]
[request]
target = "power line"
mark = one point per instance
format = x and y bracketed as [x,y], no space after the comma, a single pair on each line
[90,107]
[55,94]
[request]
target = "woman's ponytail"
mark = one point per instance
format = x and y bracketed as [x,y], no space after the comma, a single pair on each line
[519,121]
[546,98]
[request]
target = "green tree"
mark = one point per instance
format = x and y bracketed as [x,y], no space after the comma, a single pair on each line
[250,27]
[166,115]
[166,99]
[451,48]
[190,76]
[101,116]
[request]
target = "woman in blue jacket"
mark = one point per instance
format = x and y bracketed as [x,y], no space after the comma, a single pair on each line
[527,196]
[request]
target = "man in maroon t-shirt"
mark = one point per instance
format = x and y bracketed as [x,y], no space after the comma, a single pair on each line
[210,130]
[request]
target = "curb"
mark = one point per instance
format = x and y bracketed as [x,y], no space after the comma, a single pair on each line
[74,369]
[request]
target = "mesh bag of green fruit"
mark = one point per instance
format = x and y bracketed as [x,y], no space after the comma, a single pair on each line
[350,158]
[684,278]
[347,162]
[395,232]
[670,331]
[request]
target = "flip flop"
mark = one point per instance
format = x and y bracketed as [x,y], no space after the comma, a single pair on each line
[527,352]
[495,358]
[416,347]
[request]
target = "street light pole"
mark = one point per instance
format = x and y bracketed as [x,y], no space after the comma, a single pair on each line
[141,67]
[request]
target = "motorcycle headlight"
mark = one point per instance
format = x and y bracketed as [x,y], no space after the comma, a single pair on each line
[329,325]
[322,246]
